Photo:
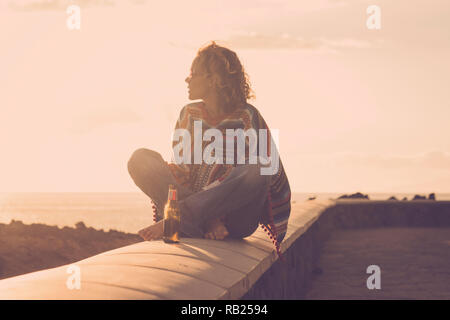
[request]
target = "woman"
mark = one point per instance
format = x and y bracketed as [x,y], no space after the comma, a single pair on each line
[222,199]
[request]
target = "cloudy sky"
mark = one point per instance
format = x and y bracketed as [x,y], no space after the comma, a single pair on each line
[357,109]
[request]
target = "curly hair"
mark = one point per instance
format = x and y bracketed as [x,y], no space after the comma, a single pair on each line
[227,75]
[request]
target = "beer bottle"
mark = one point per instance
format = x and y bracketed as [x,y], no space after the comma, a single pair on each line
[171,222]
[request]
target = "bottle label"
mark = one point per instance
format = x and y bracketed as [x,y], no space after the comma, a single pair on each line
[172,194]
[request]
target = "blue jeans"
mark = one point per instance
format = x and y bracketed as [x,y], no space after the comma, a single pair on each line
[240,198]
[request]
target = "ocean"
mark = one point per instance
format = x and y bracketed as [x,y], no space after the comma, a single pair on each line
[122,211]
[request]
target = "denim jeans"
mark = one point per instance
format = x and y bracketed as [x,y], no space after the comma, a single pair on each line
[240,198]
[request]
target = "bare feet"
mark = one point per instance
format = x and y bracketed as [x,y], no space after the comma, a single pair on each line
[216,230]
[153,232]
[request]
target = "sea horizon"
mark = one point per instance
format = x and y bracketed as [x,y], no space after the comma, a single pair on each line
[121,211]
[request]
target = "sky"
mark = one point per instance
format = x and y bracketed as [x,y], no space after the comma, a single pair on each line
[356,109]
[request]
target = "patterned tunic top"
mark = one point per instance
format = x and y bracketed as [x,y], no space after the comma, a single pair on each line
[199,176]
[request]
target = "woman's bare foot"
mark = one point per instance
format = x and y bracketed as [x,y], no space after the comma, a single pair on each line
[153,232]
[216,230]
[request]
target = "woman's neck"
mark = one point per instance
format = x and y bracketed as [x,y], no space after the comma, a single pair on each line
[213,106]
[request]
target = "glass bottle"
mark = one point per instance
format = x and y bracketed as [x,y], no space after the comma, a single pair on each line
[171,217]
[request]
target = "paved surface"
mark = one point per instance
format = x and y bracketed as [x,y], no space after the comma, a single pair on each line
[414,263]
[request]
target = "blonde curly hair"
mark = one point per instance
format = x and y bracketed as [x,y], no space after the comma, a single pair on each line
[227,75]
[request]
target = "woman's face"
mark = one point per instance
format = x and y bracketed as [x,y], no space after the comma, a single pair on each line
[198,83]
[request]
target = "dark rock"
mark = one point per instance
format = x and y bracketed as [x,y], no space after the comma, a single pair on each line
[27,248]
[80,225]
[419,197]
[311,198]
[432,196]
[393,198]
[357,195]
[404,199]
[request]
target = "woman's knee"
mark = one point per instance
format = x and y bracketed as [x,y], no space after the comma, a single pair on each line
[141,158]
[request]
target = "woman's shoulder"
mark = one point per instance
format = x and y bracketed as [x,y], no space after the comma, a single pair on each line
[255,116]
[192,108]
[197,110]
[197,105]
[250,108]
[253,112]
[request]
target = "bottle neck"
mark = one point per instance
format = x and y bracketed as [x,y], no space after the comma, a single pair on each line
[172,197]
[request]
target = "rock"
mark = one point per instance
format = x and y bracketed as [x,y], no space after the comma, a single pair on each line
[27,248]
[393,198]
[357,195]
[404,199]
[419,197]
[80,225]
[311,198]
[432,196]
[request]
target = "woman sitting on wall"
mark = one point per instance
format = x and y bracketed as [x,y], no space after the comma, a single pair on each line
[227,198]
